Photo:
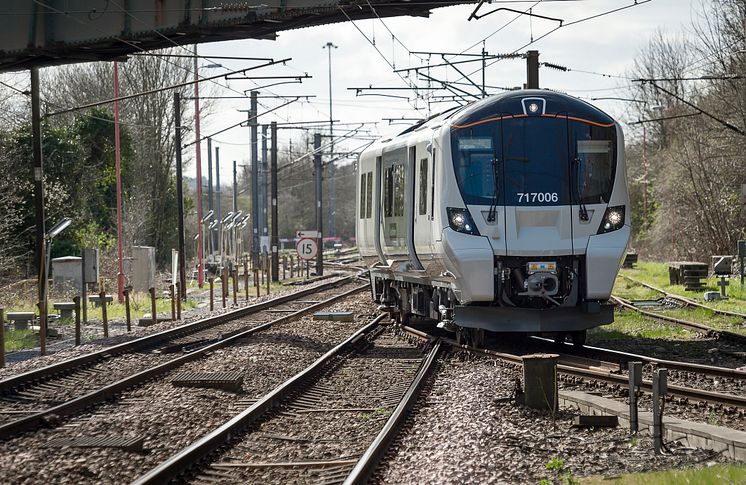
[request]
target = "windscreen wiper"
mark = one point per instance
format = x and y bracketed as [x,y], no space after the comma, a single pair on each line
[578,194]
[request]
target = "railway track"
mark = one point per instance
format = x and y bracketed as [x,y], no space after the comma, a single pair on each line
[360,390]
[32,399]
[581,370]
[686,301]
[697,327]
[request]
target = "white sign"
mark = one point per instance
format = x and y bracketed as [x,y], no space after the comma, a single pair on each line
[307,248]
[307,234]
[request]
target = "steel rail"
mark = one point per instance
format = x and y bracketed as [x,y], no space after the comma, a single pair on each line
[109,391]
[375,452]
[722,334]
[683,299]
[61,368]
[200,449]
[710,370]
[681,391]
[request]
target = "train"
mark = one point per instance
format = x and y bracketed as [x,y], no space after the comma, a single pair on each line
[508,214]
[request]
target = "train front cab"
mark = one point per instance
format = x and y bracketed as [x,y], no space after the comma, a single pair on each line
[539,224]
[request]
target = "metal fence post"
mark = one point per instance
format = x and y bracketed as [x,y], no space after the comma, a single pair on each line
[635,380]
[659,393]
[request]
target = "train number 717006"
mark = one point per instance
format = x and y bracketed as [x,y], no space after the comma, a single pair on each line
[537,197]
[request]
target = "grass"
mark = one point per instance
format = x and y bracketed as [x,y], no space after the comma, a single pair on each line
[714,475]
[631,324]
[20,339]
[656,274]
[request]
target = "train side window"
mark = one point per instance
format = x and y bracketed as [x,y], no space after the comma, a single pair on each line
[363,185]
[398,190]
[388,192]
[423,187]
[369,196]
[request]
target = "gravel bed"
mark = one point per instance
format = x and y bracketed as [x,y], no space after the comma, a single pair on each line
[21,366]
[169,417]
[464,431]
[314,426]
[55,391]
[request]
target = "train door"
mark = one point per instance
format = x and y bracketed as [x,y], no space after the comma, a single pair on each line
[422,203]
[536,181]
[411,209]
[393,198]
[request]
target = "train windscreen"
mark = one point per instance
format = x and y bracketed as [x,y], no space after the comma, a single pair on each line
[537,161]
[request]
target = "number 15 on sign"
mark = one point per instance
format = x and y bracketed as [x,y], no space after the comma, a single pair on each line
[307,248]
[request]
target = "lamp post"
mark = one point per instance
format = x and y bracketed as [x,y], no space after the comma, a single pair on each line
[332,195]
[47,249]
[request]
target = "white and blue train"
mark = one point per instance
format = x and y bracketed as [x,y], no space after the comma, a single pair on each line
[510,214]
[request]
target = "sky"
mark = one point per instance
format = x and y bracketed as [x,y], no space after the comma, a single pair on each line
[599,53]
[606,46]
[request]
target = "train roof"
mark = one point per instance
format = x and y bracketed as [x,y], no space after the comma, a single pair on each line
[525,102]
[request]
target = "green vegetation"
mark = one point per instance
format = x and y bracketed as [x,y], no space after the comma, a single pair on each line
[20,339]
[560,473]
[714,475]
[631,324]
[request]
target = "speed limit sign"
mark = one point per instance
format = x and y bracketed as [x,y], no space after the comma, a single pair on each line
[307,248]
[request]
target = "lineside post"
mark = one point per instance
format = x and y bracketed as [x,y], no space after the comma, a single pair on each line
[173,302]
[76,300]
[179,195]
[104,318]
[211,280]
[318,169]
[2,338]
[127,308]
[178,301]
[246,278]
[660,388]
[154,316]
[275,242]
[635,381]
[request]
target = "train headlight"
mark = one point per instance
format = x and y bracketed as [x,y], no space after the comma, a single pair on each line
[460,220]
[613,219]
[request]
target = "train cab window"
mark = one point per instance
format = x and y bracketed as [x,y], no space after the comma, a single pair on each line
[388,192]
[369,195]
[363,184]
[595,170]
[423,187]
[475,155]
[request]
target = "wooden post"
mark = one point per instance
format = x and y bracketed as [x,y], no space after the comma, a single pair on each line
[2,338]
[308,270]
[104,319]
[152,306]
[292,269]
[173,302]
[246,278]
[178,300]
[224,285]
[235,287]
[256,281]
[76,300]
[284,265]
[268,273]
[127,309]
[540,381]
[212,293]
